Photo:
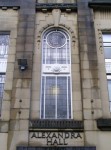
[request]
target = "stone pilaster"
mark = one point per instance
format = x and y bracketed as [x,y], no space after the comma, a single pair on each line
[21,92]
[89,72]
[89,66]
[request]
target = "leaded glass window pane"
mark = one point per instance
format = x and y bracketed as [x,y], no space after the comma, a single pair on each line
[109,89]
[69,96]
[4,43]
[107,38]
[50,97]
[107,52]
[56,39]
[56,100]
[62,98]
[56,48]
[2,81]
[56,91]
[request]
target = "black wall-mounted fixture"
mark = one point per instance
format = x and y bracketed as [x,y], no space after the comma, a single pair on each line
[22,63]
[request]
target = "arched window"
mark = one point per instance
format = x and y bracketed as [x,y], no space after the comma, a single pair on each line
[56,75]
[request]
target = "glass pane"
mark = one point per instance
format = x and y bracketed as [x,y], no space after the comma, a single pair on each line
[44,51]
[50,95]
[62,97]
[106,37]
[4,42]
[51,55]
[56,39]
[109,89]
[57,89]
[56,48]
[110,105]
[61,55]
[1,90]
[42,98]
[68,53]
[107,52]
[107,44]
[108,67]
[69,96]
[2,81]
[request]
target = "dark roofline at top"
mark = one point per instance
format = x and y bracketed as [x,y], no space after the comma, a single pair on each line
[16,4]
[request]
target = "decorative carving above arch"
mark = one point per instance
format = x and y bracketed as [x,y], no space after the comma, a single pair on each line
[56,13]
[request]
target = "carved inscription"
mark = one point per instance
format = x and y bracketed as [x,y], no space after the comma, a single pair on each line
[56,138]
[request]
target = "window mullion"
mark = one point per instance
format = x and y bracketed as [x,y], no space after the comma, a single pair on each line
[56,97]
[56,56]
[67,100]
[66,53]
[45,52]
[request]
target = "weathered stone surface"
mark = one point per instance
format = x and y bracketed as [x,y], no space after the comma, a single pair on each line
[4,127]
[3,139]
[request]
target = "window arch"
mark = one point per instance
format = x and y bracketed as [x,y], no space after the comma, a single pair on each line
[56,47]
[56,75]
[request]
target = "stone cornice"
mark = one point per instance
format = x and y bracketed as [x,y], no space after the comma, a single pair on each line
[15,4]
[62,6]
[10,3]
[100,4]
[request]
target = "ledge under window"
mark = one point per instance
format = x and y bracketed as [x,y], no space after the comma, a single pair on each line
[56,148]
[100,4]
[56,124]
[104,124]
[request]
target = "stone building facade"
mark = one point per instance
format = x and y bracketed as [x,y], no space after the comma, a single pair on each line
[55,76]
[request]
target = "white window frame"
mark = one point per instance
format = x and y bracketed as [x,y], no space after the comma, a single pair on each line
[55,73]
[107,64]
